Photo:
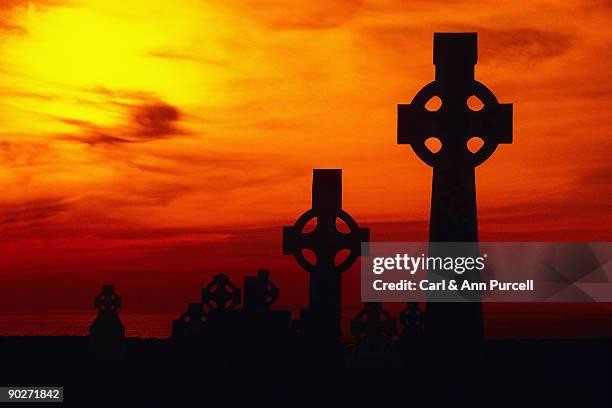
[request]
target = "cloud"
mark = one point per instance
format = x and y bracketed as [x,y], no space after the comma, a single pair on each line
[32,211]
[20,93]
[155,119]
[530,44]
[184,57]
[165,233]
[304,14]
[278,124]
[9,9]
[11,4]
[25,154]
[598,177]
[10,28]
[396,37]
[147,119]
[119,94]
[573,212]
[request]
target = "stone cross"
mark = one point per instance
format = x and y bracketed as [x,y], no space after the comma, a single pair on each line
[412,318]
[325,242]
[263,328]
[107,331]
[220,295]
[259,292]
[453,216]
[107,301]
[191,323]
[373,321]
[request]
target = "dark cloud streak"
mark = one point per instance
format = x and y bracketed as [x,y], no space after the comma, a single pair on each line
[300,15]
[506,44]
[32,211]
[184,57]
[147,120]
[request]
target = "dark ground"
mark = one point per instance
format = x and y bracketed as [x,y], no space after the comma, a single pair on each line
[152,373]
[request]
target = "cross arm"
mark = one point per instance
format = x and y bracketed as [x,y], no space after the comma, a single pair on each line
[415,124]
[290,237]
[295,240]
[495,123]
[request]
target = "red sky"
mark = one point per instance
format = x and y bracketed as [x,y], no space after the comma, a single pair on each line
[153,144]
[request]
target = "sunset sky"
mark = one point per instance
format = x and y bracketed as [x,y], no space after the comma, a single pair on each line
[153,143]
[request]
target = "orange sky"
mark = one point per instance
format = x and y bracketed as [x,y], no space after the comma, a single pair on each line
[137,130]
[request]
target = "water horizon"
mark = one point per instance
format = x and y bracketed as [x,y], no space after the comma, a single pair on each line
[502,321]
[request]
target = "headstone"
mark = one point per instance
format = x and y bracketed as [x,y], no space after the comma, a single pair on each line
[191,323]
[259,292]
[220,296]
[107,332]
[412,320]
[373,329]
[322,321]
[223,329]
[373,321]
[267,332]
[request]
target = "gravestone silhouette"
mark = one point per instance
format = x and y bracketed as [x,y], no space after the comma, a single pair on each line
[214,317]
[223,328]
[264,329]
[413,321]
[412,336]
[453,216]
[259,292]
[372,321]
[373,329]
[107,332]
[191,323]
[220,296]
[321,322]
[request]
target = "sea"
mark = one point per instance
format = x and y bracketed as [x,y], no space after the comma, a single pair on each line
[502,321]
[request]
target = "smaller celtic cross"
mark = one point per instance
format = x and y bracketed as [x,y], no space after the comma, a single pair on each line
[259,292]
[220,295]
[373,321]
[325,242]
[107,327]
[190,323]
[412,318]
[107,301]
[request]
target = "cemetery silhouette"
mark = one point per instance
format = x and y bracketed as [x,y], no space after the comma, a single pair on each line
[232,347]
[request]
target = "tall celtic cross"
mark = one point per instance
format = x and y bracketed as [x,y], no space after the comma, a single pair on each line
[325,242]
[453,216]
